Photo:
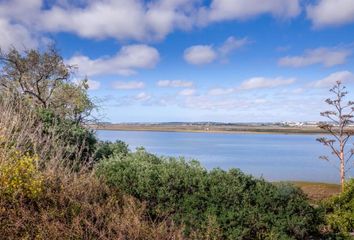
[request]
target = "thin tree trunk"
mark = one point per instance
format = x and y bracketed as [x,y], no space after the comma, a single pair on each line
[342,172]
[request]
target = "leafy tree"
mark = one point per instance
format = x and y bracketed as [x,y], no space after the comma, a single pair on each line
[340,119]
[44,81]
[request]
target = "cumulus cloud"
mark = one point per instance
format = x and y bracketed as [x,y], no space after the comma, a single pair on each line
[26,12]
[143,97]
[128,85]
[331,13]
[204,54]
[187,92]
[231,44]
[16,35]
[125,62]
[327,56]
[120,19]
[200,54]
[174,83]
[220,10]
[136,19]
[261,82]
[329,81]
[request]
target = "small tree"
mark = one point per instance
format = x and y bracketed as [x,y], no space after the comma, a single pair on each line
[338,126]
[44,81]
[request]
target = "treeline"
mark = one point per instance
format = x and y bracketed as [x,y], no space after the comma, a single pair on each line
[58,181]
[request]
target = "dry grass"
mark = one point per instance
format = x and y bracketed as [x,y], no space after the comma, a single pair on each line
[71,204]
[79,207]
[318,191]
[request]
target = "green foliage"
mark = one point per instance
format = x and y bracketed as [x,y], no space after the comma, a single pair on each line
[239,206]
[79,140]
[41,81]
[340,210]
[106,149]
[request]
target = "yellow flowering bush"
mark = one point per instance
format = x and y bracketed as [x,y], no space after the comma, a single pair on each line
[19,175]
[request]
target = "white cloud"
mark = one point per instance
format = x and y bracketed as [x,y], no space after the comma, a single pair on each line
[200,54]
[143,97]
[327,56]
[220,10]
[120,19]
[174,83]
[26,12]
[16,35]
[187,92]
[232,44]
[131,85]
[203,54]
[329,81]
[135,19]
[125,62]
[220,91]
[331,12]
[261,82]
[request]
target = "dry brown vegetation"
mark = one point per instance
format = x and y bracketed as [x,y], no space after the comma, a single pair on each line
[318,191]
[67,204]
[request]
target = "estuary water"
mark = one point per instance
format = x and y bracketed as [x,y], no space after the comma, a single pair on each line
[275,157]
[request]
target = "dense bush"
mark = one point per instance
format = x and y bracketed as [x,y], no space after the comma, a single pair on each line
[79,206]
[19,175]
[80,141]
[223,204]
[340,210]
[106,149]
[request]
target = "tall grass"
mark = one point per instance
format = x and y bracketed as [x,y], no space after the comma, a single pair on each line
[67,204]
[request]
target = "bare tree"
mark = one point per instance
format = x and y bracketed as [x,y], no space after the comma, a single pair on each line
[338,126]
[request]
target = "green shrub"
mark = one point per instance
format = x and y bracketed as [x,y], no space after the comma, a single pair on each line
[340,210]
[240,206]
[106,149]
[79,141]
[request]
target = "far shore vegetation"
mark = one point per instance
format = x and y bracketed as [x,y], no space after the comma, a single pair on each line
[210,128]
[59,181]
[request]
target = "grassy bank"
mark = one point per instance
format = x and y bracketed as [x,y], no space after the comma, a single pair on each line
[210,129]
[317,191]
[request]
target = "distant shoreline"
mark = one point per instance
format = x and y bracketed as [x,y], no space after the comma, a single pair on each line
[210,129]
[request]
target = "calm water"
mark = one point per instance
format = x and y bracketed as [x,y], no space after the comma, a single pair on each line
[272,156]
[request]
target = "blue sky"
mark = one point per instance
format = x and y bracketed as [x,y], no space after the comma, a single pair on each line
[194,60]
